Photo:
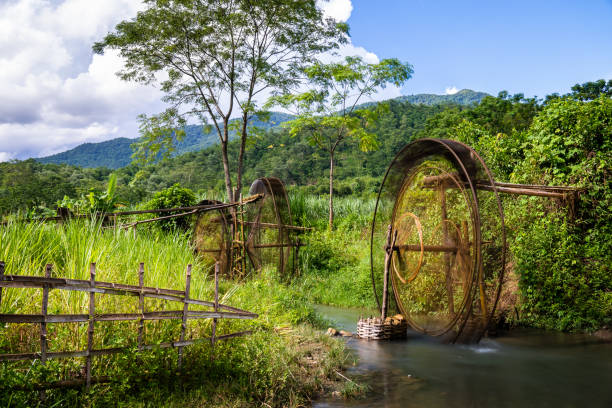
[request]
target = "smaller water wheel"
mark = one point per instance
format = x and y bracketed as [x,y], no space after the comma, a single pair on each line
[211,235]
[447,261]
[268,240]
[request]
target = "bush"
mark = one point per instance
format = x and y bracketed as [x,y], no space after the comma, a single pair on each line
[171,197]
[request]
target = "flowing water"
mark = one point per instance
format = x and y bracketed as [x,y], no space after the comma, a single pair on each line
[524,368]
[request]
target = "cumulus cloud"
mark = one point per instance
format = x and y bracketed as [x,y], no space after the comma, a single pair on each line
[339,10]
[55,94]
[451,90]
[6,156]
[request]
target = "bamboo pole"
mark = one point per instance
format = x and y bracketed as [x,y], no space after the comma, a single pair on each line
[447,259]
[43,324]
[90,328]
[185,311]
[243,246]
[202,208]
[115,350]
[141,305]
[17,281]
[426,248]
[388,255]
[214,322]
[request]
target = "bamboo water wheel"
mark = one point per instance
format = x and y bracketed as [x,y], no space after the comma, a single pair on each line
[268,241]
[448,257]
[211,235]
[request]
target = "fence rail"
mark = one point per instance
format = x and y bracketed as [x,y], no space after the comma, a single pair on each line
[93,287]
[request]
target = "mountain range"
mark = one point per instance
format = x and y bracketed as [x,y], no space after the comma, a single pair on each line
[117,153]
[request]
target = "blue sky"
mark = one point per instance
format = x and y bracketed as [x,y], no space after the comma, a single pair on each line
[55,94]
[536,47]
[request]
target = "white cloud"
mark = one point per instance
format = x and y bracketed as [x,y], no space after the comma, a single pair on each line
[54,94]
[6,156]
[451,90]
[339,10]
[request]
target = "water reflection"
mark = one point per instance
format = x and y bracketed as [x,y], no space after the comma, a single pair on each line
[526,368]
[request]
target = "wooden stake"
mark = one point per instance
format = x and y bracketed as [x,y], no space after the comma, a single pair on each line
[141,305]
[90,329]
[214,322]
[43,325]
[185,310]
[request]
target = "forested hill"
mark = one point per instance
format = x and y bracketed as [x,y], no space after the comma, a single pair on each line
[463,97]
[117,153]
[29,183]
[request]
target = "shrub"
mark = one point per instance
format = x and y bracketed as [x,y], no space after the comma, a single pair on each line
[171,197]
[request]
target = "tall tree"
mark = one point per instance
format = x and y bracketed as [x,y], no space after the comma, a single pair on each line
[217,57]
[329,112]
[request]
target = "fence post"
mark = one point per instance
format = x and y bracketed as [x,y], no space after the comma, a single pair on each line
[141,305]
[43,324]
[90,329]
[185,310]
[214,324]
[1,278]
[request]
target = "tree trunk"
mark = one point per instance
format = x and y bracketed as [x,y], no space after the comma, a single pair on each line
[243,137]
[226,171]
[331,190]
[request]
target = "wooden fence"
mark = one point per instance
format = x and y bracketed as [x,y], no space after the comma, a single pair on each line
[93,287]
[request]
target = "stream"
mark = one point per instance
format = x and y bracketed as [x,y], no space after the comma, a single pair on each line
[523,368]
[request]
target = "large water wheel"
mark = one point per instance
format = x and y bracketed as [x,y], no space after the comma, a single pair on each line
[211,235]
[268,239]
[447,264]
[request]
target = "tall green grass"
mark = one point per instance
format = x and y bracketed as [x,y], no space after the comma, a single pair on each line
[267,367]
[72,247]
[349,212]
[335,265]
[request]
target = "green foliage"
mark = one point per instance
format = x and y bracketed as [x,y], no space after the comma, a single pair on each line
[158,134]
[564,280]
[328,112]
[568,266]
[592,90]
[94,201]
[175,196]
[563,262]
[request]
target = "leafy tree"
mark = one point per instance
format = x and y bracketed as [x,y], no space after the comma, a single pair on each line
[218,56]
[329,113]
[592,90]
